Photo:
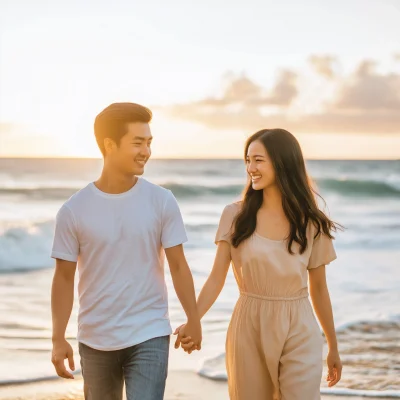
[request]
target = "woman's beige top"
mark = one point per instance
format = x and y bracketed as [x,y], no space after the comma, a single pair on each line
[264,267]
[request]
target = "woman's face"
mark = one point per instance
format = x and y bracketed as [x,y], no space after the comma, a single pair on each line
[259,166]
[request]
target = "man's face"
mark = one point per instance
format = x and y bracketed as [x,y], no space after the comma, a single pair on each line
[134,149]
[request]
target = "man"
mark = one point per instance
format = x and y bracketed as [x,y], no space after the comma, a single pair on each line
[115,230]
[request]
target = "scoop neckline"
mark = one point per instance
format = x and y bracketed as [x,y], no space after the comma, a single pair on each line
[268,239]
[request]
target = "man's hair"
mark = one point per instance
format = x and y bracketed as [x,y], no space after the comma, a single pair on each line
[112,121]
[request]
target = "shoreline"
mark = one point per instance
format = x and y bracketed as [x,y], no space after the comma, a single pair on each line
[181,385]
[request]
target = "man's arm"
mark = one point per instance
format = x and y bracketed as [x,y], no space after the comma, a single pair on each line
[62,299]
[211,289]
[184,288]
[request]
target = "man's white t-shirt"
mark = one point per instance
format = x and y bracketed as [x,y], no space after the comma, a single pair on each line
[118,241]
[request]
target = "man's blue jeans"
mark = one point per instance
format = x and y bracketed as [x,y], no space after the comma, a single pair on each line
[142,367]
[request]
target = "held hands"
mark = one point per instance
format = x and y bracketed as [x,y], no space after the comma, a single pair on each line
[334,367]
[189,336]
[62,350]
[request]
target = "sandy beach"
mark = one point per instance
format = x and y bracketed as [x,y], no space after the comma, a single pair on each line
[180,386]
[183,383]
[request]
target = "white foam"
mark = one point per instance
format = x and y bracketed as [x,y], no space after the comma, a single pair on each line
[214,368]
[363,393]
[26,247]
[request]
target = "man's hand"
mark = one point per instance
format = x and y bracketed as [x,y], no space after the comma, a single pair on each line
[62,350]
[183,284]
[189,336]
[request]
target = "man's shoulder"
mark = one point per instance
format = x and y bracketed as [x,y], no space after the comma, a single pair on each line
[155,189]
[77,198]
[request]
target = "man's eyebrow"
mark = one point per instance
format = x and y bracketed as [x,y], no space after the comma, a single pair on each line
[142,138]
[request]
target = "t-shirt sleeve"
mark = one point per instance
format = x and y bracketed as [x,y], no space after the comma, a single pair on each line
[173,229]
[322,252]
[65,243]
[225,227]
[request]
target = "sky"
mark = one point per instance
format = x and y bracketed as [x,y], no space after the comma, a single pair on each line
[212,71]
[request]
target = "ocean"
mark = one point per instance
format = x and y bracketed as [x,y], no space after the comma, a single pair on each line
[364,281]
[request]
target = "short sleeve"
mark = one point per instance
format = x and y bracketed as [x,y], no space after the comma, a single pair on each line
[322,252]
[173,229]
[65,243]
[225,227]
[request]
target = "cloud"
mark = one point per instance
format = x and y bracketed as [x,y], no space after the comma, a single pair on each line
[242,90]
[366,90]
[285,89]
[364,102]
[324,65]
[327,122]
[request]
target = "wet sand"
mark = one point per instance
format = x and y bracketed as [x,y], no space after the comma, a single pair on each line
[180,386]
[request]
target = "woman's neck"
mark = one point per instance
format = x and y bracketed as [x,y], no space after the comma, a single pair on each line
[272,199]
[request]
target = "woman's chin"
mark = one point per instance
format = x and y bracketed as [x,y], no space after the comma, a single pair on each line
[257,186]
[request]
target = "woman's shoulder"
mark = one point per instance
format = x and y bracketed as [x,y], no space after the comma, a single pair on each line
[230,211]
[314,231]
[233,208]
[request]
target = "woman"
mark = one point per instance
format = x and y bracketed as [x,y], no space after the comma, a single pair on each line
[276,238]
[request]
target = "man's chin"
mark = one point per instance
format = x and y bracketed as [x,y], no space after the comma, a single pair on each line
[138,171]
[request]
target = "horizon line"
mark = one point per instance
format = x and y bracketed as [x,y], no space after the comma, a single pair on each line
[185,158]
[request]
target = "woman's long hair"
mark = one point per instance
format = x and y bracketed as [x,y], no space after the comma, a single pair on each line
[298,197]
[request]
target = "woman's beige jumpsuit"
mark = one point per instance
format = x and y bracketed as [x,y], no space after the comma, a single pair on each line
[274,344]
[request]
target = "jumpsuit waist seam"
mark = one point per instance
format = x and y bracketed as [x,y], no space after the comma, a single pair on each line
[273,298]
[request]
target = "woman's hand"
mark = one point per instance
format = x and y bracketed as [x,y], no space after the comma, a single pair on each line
[184,341]
[334,367]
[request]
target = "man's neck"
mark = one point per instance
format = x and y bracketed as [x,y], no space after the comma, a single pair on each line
[115,183]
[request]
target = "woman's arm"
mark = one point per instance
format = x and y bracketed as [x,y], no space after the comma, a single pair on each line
[216,281]
[323,308]
[211,289]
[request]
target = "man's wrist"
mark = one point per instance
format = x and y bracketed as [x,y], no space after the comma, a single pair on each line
[57,338]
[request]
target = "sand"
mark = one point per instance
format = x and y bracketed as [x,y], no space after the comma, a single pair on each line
[180,386]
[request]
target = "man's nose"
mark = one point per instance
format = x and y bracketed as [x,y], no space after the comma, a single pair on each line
[145,151]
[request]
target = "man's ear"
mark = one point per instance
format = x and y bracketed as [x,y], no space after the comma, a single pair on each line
[109,145]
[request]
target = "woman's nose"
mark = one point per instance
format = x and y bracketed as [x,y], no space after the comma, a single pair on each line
[251,168]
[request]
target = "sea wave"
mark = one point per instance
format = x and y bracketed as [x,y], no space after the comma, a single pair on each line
[352,187]
[40,193]
[26,247]
[342,187]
